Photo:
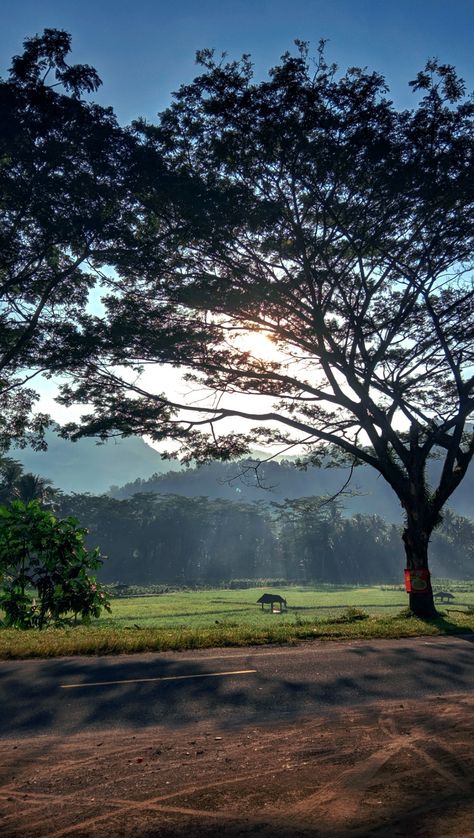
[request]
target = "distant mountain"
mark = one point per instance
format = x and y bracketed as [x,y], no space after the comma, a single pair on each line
[84,466]
[273,482]
[124,467]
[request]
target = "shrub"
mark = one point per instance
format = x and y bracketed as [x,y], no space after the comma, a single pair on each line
[45,569]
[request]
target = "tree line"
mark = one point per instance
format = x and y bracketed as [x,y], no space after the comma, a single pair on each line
[170,539]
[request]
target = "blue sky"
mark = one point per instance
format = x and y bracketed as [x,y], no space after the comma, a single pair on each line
[143,49]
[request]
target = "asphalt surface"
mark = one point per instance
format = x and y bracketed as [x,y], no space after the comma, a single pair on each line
[227,687]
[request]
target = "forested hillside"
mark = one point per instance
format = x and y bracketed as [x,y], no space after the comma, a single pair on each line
[125,467]
[275,481]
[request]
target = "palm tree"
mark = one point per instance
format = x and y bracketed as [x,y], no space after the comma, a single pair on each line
[15,485]
[33,487]
[11,472]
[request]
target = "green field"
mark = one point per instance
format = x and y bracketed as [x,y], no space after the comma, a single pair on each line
[201,609]
[219,617]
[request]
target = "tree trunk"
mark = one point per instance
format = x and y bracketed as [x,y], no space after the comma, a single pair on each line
[416,539]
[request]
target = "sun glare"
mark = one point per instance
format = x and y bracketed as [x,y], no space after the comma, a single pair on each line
[259,345]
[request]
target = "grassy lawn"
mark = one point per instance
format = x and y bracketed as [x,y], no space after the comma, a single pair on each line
[203,619]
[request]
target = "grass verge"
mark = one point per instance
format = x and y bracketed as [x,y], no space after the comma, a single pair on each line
[103,640]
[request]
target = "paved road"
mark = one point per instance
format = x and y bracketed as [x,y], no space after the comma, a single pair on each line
[226,687]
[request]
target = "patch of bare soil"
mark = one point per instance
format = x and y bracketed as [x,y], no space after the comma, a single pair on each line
[387,769]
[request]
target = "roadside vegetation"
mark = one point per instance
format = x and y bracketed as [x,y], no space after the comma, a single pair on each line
[45,569]
[180,620]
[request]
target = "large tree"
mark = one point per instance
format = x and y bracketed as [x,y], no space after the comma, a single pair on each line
[65,209]
[341,228]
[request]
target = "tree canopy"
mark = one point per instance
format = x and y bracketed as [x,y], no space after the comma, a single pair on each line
[65,199]
[340,227]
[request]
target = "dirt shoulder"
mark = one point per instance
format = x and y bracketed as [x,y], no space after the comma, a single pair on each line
[388,769]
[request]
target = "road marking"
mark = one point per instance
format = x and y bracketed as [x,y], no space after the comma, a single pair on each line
[162,678]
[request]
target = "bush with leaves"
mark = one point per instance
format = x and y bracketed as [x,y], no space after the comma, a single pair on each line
[45,569]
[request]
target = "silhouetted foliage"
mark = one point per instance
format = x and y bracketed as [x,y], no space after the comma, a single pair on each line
[17,485]
[66,169]
[341,228]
